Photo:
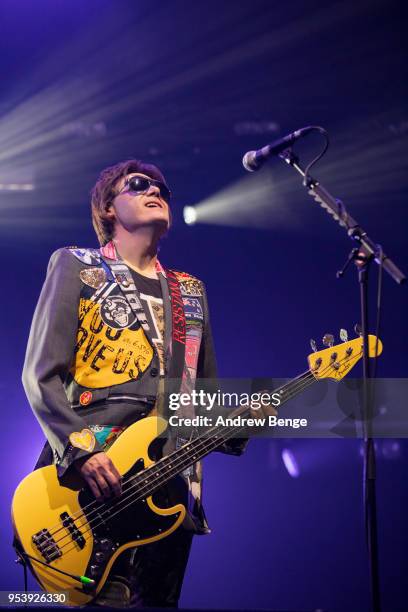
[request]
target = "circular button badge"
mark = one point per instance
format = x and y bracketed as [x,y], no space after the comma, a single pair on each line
[85,398]
[116,312]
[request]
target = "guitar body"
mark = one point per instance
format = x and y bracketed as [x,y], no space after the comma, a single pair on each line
[60,523]
[80,542]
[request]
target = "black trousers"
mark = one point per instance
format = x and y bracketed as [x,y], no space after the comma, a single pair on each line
[148,576]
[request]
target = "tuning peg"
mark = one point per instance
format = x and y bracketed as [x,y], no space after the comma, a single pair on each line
[358,329]
[328,340]
[343,335]
[313,345]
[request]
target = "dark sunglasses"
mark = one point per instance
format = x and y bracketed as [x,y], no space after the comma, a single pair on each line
[141,184]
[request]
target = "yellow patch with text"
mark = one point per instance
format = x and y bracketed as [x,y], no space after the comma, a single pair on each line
[106,356]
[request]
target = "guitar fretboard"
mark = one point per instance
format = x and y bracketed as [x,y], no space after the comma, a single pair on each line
[154,477]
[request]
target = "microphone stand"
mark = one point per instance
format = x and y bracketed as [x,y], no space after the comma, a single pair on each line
[367,252]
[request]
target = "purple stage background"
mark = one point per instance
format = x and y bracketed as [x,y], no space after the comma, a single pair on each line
[192,87]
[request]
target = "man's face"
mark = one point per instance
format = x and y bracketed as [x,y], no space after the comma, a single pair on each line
[133,210]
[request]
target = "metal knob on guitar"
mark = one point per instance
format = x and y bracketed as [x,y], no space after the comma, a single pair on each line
[343,335]
[105,544]
[328,340]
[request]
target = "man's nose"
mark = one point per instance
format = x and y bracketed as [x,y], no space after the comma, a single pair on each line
[153,190]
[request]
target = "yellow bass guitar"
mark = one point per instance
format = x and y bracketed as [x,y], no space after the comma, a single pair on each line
[70,540]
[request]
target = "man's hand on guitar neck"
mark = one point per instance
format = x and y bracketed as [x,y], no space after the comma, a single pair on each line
[266,409]
[100,475]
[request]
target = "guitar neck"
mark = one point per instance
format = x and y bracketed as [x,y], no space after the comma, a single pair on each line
[197,448]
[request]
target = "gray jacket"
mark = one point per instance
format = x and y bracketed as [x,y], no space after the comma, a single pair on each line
[90,357]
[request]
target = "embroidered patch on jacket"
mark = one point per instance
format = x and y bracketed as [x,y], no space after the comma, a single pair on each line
[85,398]
[106,434]
[192,351]
[105,356]
[87,256]
[177,310]
[116,312]
[84,440]
[192,308]
[189,285]
[93,277]
[123,280]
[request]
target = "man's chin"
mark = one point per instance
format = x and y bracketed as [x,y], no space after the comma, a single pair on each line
[160,226]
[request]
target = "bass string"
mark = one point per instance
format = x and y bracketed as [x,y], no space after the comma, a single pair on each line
[298,385]
[145,474]
[186,460]
[137,495]
[97,505]
[87,534]
[160,465]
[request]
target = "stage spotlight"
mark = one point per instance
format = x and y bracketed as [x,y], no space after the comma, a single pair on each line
[290,463]
[252,201]
[190,215]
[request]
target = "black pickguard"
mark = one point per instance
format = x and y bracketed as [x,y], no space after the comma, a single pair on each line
[134,522]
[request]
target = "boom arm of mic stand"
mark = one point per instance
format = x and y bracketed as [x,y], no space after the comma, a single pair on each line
[338,211]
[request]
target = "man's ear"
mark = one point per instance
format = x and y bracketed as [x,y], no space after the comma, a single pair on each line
[110,212]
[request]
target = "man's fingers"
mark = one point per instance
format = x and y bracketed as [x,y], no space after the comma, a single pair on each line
[101,475]
[102,484]
[264,411]
[112,468]
[92,484]
[112,476]
[269,411]
[114,481]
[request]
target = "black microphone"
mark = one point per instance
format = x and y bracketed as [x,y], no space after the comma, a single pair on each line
[253,160]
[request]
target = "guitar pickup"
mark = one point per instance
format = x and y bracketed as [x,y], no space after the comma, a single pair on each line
[76,534]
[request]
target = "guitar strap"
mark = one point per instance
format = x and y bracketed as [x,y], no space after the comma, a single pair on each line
[178,328]
[121,274]
[177,377]
[175,321]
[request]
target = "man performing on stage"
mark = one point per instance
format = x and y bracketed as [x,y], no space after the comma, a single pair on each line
[110,328]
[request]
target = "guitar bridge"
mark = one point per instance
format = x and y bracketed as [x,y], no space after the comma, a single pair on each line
[46,545]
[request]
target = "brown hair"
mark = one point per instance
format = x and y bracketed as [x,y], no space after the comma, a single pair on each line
[104,192]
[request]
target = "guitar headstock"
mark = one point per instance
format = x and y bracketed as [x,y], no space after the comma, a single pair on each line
[336,362]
